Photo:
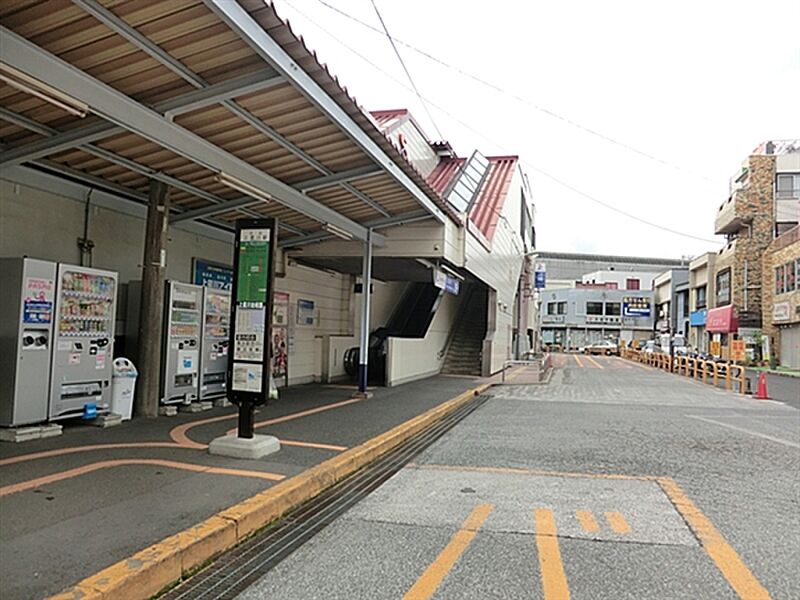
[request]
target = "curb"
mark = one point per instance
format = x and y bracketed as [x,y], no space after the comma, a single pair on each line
[166,562]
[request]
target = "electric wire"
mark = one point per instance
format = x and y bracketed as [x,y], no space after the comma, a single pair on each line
[515,96]
[405,68]
[480,134]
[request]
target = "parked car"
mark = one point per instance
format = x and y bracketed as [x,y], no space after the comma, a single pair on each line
[607,348]
[651,347]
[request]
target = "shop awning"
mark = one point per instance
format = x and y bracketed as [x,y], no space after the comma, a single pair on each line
[722,320]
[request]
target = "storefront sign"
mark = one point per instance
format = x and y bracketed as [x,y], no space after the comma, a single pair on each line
[781,311]
[539,275]
[698,318]
[737,350]
[715,348]
[633,306]
[722,320]
[212,275]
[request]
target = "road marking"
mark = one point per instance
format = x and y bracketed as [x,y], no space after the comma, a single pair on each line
[76,449]
[554,582]
[724,556]
[617,522]
[748,431]
[433,576]
[587,521]
[70,473]
[577,360]
[594,362]
[333,447]
[515,471]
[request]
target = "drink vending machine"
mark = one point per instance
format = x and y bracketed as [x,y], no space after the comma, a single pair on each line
[214,352]
[182,338]
[27,297]
[83,347]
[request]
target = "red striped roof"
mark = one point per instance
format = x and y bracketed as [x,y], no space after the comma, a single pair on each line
[386,118]
[488,206]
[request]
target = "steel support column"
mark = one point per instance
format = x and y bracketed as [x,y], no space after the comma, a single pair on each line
[366,279]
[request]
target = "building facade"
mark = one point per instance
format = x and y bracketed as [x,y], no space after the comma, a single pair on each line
[671,290]
[781,312]
[572,318]
[701,295]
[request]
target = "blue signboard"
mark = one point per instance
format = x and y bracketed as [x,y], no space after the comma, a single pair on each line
[452,285]
[37,311]
[635,307]
[212,275]
[539,278]
[698,318]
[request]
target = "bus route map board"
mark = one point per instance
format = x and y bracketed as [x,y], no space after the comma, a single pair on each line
[248,364]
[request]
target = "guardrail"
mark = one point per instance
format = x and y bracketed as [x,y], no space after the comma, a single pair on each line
[696,368]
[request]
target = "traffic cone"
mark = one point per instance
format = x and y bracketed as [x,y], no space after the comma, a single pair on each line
[761,391]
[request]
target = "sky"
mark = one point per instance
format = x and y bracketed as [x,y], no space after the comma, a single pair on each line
[647,107]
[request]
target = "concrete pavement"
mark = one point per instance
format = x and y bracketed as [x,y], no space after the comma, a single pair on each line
[613,481]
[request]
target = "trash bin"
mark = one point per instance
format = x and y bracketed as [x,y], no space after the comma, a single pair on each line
[123,381]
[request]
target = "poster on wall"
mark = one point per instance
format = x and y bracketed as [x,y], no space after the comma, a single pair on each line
[280,338]
[212,275]
[38,304]
[305,312]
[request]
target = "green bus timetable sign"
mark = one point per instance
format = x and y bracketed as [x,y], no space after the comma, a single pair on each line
[253,272]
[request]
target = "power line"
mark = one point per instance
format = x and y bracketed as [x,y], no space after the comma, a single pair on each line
[517,97]
[405,68]
[494,142]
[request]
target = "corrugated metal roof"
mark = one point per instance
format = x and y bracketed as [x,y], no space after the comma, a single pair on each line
[388,118]
[488,205]
[486,211]
[191,34]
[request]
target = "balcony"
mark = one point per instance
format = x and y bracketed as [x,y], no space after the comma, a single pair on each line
[727,220]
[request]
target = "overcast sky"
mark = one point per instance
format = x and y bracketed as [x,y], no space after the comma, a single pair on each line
[695,85]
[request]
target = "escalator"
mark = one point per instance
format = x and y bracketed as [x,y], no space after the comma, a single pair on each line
[411,319]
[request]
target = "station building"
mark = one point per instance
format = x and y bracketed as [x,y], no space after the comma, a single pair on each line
[144,156]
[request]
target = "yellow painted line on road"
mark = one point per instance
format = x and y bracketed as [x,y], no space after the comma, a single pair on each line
[740,578]
[587,521]
[617,522]
[554,581]
[594,362]
[433,576]
[577,360]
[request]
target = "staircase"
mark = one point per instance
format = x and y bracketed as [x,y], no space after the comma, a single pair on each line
[464,353]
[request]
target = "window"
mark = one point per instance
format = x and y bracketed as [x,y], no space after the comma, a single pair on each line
[594,308]
[612,309]
[788,186]
[779,280]
[700,297]
[562,308]
[556,308]
[724,287]
[791,276]
[631,284]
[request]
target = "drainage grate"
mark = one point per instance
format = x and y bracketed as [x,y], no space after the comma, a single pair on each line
[236,570]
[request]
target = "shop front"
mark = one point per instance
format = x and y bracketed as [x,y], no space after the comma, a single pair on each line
[722,324]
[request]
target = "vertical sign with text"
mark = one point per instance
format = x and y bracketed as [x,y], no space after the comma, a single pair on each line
[251,319]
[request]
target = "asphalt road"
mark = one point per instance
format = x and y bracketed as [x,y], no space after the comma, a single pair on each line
[613,481]
[783,388]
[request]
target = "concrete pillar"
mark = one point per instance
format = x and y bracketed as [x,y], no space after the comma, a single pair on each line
[366,279]
[151,314]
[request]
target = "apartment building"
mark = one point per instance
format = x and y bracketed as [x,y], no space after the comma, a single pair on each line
[781,310]
[762,205]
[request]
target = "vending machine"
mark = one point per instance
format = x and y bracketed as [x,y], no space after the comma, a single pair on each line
[83,348]
[214,349]
[27,296]
[182,338]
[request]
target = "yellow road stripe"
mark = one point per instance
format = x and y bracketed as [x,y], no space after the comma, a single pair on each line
[434,575]
[554,582]
[587,521]
[617,522]
[594,362]
[724,556]
[577,360]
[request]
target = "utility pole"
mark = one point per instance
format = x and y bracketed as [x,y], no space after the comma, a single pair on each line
[151,313]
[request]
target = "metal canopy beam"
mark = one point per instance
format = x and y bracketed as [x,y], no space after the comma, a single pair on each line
[131,115]
[323,236]
[101,130]
[251,32]
[316,183]
[220,204]
[165,58]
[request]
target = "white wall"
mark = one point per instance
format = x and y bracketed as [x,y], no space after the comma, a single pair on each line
[42,217]
[410,359]
[419,149]
[620,278]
